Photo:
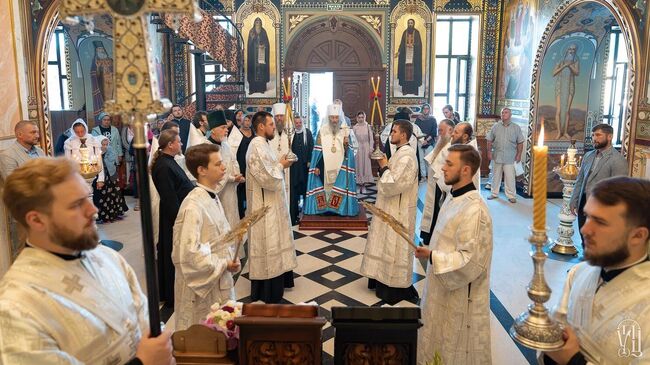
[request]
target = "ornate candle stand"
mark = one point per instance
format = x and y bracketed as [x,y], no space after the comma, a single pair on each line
[89,166]
[535,328]
[568,173]
[377,128]
[290,128]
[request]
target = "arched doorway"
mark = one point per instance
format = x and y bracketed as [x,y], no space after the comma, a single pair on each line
[340,45]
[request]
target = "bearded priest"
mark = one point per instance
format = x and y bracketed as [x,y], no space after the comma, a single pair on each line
[272,254]
[331,182]
[388,258]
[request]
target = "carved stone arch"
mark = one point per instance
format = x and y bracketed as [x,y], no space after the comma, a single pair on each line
[49,22]
[629,25]
[318,46]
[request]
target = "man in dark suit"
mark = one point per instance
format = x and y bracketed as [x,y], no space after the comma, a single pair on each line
[602,162]
[183,125]
[302,145]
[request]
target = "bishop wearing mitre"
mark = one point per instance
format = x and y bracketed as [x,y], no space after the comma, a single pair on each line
[331,186]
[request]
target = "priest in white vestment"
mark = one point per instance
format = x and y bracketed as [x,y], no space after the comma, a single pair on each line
[456,298]
[204,262]
[227,187]
[388,258]
[66,299]
[198,129]
[272,254]
[280,142]
[436,187]
[606,300]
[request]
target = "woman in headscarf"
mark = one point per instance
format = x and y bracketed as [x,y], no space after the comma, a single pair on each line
[83,146]
[108,199]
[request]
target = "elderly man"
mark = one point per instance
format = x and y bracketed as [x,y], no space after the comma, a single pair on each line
[331,184]
[24,148]
[505,142]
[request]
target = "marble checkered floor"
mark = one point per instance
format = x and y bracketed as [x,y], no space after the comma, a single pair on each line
[329,261]
[328,274]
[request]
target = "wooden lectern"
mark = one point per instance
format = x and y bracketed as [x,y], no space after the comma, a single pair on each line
[372,335]
[280,334]
[200,345]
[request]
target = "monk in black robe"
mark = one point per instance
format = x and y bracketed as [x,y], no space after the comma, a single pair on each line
[302,145]
[409,60]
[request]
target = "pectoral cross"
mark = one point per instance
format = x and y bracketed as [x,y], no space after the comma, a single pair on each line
[136,87]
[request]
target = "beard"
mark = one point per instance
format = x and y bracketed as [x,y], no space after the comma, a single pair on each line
[334,128]
[458,140]
[599,145]
[442,142]
[452,180]
[87,240]
[607,259]
[269,137]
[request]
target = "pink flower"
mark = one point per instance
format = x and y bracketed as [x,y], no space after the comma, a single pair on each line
[228,308]
[230,325]
[209,321]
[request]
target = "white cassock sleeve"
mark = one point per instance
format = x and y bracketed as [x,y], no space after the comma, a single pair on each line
[399,177]
[268,174]
[201,269]
[471,258]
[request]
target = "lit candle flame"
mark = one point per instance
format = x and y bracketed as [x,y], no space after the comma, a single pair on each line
[540,138]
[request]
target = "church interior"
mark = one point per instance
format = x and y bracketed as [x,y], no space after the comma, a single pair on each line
[378,57]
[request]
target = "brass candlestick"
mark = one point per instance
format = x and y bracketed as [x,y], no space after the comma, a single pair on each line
[290,128]
[568,173]
[535,328]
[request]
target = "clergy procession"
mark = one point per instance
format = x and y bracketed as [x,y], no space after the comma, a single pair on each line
[274,214]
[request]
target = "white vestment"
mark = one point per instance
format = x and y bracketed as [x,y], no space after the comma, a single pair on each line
[436,160]
[436,176]
[83,311]
[195,137]
[200,258]
[414,141]
[333,153]
[234,139]
[456,298]
[280,147]
[227,187]
[612,323]
[388,258]
[271,248]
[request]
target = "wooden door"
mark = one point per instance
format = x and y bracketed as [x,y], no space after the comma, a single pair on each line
[354,89]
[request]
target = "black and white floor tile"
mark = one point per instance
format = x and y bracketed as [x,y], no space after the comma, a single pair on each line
[328,274]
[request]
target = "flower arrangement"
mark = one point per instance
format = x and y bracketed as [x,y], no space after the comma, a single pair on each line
[222,318]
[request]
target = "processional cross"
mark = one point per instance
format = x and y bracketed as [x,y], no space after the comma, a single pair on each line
[136,96]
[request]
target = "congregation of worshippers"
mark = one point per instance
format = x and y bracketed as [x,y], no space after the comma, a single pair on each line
[207,173]
[349,182]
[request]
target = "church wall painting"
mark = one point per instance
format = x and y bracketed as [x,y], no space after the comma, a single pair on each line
[96,57]
[260,55]
[409,61]
[518,46]
[564,91]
